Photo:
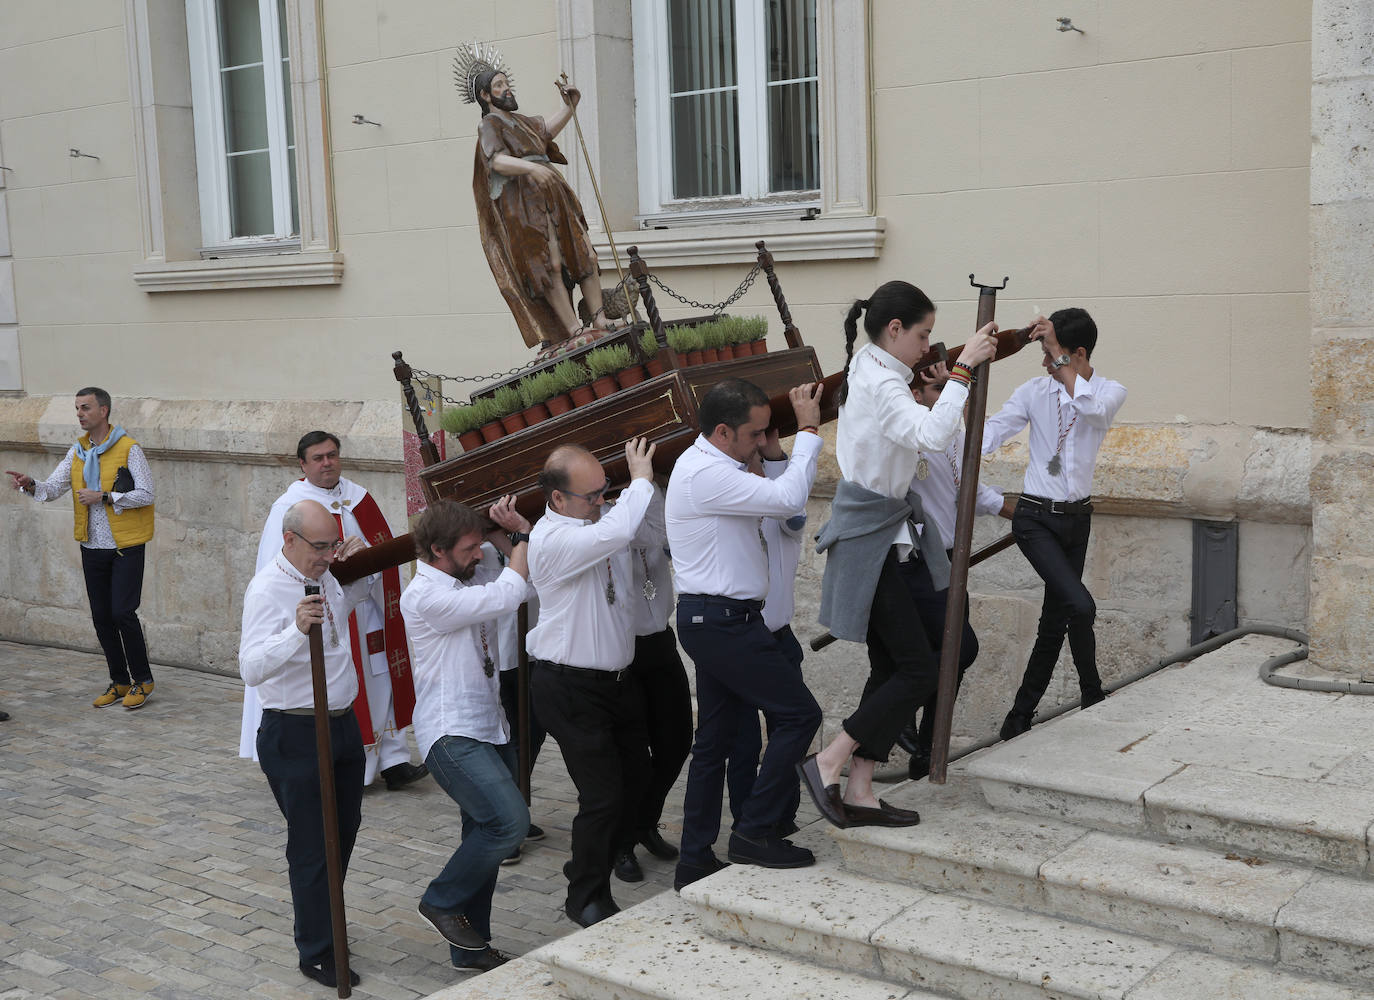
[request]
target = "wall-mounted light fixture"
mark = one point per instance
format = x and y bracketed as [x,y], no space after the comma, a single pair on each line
[76,152]
[1066,24]
[360,120]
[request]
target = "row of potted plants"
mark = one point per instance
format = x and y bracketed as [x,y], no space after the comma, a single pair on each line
[722,339]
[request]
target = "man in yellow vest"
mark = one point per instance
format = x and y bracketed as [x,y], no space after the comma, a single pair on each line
[112,509]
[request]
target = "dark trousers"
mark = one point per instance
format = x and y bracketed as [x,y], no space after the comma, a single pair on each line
[741,668]
[742,768]
[598,720]
[1056,545]
[668,719]
[931,605]
[286,752]
[510,702]
[903,669]
[114,585]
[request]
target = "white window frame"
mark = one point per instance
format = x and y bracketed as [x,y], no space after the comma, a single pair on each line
[658,206]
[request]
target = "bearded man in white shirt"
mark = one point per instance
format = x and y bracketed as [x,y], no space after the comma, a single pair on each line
[1069,413]
[375,632]
[453,608]
[274,657]
[579,655]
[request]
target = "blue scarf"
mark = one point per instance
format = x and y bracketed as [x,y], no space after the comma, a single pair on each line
[91,456]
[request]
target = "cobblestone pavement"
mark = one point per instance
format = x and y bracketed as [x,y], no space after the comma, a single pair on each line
[139,856]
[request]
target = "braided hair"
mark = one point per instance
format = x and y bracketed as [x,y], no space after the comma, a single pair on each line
[899,300]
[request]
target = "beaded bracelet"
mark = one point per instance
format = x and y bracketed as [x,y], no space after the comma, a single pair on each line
[967,368]
[961,376]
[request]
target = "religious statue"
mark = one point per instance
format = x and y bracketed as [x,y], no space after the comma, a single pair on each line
[531,223]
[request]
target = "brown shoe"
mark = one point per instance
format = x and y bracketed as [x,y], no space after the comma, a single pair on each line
[138,694]
[112,694]
[827,797]
[884,815]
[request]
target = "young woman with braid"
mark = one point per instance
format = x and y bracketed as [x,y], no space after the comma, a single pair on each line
[876,523]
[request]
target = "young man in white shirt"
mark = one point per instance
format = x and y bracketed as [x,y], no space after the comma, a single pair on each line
[1069,413]
[579,652]
[274,656]
[715,509]
[452,611]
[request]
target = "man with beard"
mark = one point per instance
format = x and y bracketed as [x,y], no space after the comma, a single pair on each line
[532,226]
[452,610]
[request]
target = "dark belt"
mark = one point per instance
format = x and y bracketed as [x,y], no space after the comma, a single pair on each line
[334,713]
[725,602]
[1084,506]
[563,668]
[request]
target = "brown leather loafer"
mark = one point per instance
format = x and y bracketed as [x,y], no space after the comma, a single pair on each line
[827,797]
[884,815]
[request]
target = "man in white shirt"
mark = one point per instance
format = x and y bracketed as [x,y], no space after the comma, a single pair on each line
[508,663]
[658,667]
[376,633]
[715,509]
[1069,414]
[452,608]
[274,657]
[579,652]
[937,484]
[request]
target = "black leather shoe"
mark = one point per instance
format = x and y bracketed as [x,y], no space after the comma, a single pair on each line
[325,975]
[1091,698]
[453,928]
[400,775]
[770,852]
[535,832]
[884,815]
[826,797]
[626,866]
[1014,725]
[919,765]
[485,961]
[658,847]
[907,739]
[688,873]
[5,717]
[593,913]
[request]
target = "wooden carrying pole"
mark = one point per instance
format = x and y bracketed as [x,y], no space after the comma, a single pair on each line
[522,690]
[963,544]
[329,806]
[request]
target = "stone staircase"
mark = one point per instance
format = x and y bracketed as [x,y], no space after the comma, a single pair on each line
[1198,836]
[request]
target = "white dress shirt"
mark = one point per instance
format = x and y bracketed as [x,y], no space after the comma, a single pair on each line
[99,534]
[939,490]
[274,655]
[572,564]
[651,570]
[883,430]
[508,626]
[714,511]
[448,622]
[784,538]
[1081,420]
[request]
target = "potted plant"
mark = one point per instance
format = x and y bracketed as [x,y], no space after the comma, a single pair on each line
[489,420]
[753,334]
[725,338]
[560,402]
[534,390]
[603,364]
[648,343]
[575,380]
[463,422]
[685,341]
[628,371]
[508,405]
[707,334]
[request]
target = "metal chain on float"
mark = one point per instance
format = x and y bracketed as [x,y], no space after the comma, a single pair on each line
[714,308]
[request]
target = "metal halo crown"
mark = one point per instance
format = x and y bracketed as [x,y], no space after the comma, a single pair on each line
[474,59]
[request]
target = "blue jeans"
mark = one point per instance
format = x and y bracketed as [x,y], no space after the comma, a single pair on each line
[480,777]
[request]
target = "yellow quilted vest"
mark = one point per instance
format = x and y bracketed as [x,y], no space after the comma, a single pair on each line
[132,527]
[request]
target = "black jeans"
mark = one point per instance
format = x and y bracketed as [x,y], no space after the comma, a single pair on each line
[114,585]
[742,769]
[1056,545]
[286,753]
[668,719]
[598,720]
[741,668]
[903,669]
[931,604]
[510,702]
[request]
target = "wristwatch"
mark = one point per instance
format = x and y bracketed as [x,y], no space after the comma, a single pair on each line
[105,499]
[516,537]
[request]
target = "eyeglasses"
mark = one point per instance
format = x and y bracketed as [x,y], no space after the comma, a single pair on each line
[593,496]
[331,546]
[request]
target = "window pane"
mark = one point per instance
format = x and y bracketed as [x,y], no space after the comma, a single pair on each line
[706,145]
[250,195]
[791,39]
[240,32]
[286,101]
[701,43]
[295,208]
[245,109]
[793,138]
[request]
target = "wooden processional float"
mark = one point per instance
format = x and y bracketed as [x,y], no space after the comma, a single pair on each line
[662,409]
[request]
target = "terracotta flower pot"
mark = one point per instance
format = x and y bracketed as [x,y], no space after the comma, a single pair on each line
[726,353]
[582,395]
[604,386]
[709,356]
[513,422]
[493,431]
[534,414]
[630,376]
[654,366]
[559,404]
[471,439]
[760,346]
[694,357]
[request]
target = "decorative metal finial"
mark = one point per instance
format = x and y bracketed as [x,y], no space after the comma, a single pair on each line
[474,59]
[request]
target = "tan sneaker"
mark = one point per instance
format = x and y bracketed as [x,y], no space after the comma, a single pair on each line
[112,694]
[138,694]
